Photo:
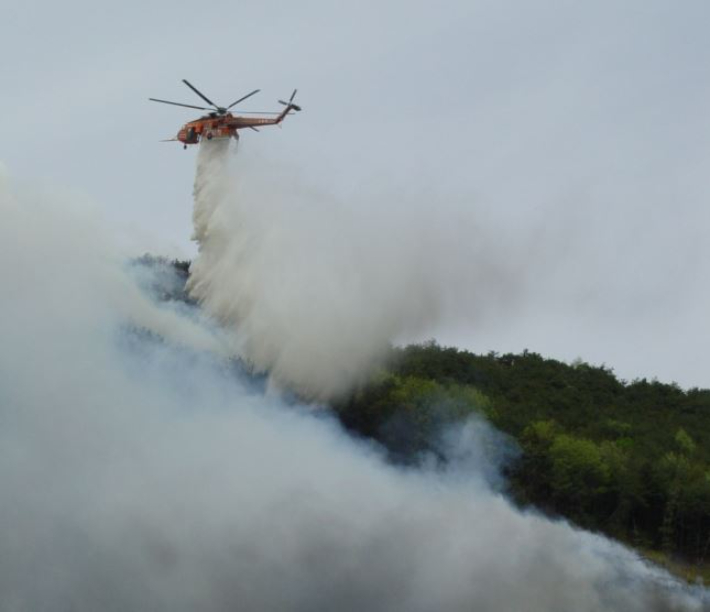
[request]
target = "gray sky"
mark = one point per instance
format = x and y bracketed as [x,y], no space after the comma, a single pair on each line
[576,135]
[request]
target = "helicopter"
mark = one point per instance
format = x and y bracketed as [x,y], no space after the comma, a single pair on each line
[220,123]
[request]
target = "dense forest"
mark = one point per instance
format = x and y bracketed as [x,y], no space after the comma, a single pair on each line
[629,459]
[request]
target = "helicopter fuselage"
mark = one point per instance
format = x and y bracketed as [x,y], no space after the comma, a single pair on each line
[224,126]
[207,127]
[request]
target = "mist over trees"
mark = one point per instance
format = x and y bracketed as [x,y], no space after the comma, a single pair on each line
[629,459]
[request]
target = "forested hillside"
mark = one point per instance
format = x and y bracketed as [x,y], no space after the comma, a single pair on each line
[630,459]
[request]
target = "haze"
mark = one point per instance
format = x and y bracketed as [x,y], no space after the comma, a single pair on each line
[573,137]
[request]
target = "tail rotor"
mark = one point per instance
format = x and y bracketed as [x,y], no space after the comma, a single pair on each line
[290,104]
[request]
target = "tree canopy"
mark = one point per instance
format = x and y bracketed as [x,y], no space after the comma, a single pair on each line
[630,459]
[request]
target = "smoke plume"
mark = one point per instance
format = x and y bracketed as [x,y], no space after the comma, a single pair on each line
[139,473]
[318,289]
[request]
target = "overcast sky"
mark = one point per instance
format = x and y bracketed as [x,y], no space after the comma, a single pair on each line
[577,135]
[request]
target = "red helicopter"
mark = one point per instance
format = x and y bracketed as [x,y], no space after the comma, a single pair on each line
[220,123]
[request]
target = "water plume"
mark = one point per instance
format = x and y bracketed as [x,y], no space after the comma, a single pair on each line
[317,289]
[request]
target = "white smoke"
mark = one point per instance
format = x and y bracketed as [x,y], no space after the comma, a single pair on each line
[139,474]
[318,289]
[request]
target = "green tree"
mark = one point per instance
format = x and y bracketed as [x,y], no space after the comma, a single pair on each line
[580,476]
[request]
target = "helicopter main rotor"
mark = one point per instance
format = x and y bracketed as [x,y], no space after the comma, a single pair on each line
[219,110]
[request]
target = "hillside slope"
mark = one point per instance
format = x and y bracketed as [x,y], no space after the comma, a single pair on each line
[629,459]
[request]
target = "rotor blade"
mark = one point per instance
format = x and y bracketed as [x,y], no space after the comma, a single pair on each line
[258,112]
[179,104]
[199,93]
[253,128]
[256,91]
[293,95]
